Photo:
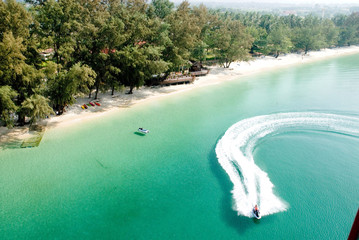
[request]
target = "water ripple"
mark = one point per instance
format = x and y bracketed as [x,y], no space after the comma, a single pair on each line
[234,151]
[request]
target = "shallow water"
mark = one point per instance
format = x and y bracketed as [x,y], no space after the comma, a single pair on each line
[100,180]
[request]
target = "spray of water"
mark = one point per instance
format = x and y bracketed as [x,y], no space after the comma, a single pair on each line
[234,151]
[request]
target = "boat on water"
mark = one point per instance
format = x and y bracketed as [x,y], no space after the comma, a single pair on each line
[256,212]
[144,131]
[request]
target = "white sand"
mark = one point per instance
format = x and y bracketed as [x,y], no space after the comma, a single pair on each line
[113,104]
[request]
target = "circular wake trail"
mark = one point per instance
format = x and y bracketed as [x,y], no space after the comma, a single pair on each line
[234,151]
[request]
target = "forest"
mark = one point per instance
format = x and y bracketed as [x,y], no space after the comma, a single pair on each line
[108,45]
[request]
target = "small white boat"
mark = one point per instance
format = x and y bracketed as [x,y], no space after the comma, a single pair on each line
[142,130]
[256,212]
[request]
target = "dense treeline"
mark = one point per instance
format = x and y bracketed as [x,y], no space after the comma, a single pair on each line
[101,45]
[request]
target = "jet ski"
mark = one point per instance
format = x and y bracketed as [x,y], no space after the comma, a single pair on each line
[256,212]
[144,131]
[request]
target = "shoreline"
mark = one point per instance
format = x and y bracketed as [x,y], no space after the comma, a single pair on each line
[114,104]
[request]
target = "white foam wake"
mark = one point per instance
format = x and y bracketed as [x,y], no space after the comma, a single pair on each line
[234,151]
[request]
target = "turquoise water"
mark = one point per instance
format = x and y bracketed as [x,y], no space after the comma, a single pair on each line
[100,180]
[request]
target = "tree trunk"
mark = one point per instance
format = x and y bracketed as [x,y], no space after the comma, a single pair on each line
[90,93]
[21,119]
[59,109]
[131,90]
[113,89]
[276,55]
[227,64]
[97,87]
[97,84]
[20,114]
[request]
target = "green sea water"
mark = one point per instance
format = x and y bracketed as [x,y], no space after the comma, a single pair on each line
[100,180]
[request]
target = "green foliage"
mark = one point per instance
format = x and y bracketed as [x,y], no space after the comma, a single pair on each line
[110,44]
[231,42]
[11,58]
[162,8]
[268,21]
[184,35]
[331,33]
[14,18]
[36,107]
[278,40]
[306,39]
[140,64]
[25,79]
[199,52]
[82,78]
[348,29]
[204,21]
[92,39]
[260,39]
[7,105]
[59,22]
[63,86]
[36,2]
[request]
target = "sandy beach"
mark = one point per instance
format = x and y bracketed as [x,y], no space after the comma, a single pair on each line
[113,104]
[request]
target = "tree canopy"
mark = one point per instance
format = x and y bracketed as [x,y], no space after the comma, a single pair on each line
[101,45]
